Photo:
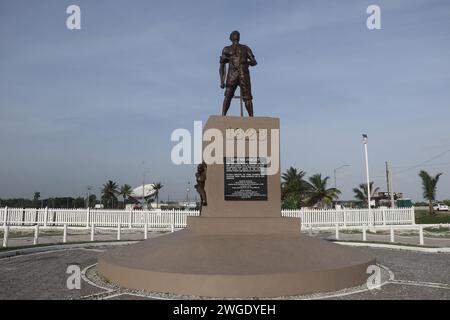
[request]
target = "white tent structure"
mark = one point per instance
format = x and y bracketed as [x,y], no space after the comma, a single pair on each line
[143,191]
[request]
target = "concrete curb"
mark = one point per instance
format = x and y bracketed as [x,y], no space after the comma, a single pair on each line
[395,247]
[56,247]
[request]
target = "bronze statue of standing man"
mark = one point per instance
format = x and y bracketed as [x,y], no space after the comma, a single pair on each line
[239,57]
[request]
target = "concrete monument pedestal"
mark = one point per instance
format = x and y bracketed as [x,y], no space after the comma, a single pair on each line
[240,246]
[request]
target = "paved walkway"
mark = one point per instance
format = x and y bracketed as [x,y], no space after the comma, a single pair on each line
[20,238]
[418,276]
[43,275]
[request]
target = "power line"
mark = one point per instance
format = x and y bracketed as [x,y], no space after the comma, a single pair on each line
[423,163]
[409,168]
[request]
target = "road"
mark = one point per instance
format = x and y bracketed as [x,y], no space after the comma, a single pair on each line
[414,275]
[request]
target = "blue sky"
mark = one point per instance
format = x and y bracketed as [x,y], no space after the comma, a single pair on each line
[80,107]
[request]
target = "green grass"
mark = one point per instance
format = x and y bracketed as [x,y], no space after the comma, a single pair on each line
[378,232]
[43,245]
[30,233]
[423,217]
[437,230]
[351,231]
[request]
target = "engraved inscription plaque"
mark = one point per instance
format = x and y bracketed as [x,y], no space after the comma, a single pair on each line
[245,179]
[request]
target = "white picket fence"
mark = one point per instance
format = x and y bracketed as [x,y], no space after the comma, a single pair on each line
[48,217]
[352,217]
[160,219]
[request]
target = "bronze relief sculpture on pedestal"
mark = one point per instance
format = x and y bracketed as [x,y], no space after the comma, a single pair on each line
[200,177]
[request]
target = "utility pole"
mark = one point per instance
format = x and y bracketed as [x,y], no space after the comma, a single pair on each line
[188,189]
[88,196]
[387,179]
[364,141]
[143,185]
[389,185]
[143,190]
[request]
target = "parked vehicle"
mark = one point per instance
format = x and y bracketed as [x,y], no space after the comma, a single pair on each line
[440,207]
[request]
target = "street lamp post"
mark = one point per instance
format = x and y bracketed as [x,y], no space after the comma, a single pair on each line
[144,204]
[143,191]
[364,141]
[89,188]
[188,189]
[334,171]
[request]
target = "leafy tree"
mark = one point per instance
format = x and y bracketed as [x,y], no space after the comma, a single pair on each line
[157,186]
[361,192]
[294,188]
[79,202]
[125,192]
[429,185]
[92,200]
[318,193]
[63,202]
[36,197]
[109,194]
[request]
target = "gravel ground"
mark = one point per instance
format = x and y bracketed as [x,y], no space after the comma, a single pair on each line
[43,276]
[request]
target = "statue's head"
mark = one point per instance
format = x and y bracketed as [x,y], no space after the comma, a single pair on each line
[235,36]
[201,167]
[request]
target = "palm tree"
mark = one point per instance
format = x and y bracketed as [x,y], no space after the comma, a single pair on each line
[318,192]
[293,188]
[36,197]
[157,186]
[125,192]
[361,192]
[429,188]
[109,193]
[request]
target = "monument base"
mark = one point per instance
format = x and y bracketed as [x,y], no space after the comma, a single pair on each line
[245,226]
[194,262]
[240,246]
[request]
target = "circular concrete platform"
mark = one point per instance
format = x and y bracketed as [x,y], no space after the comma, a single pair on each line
[235,266]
